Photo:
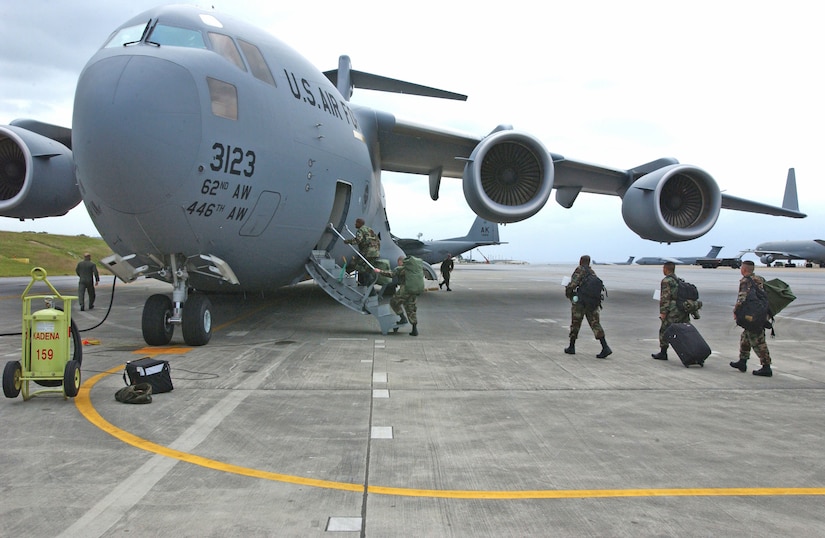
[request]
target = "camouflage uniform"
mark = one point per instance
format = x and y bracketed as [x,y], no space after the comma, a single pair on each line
[578,311]
[369,245]
[749,339]
[668,307]
[401,296]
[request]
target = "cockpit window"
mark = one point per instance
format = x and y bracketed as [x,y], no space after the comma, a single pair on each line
[131,34]
[176,37]
[224,46]
[224,98]
[256,62]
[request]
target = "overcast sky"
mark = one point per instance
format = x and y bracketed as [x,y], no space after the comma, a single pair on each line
[733,87]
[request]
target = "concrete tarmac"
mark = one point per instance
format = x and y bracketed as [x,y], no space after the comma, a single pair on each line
[300,419]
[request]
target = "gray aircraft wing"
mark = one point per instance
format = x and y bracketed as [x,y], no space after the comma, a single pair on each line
[410,147]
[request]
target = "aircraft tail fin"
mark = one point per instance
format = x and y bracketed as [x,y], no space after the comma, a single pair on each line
[482,231]
[791,200]
[630,260]
[714,251]
[345,79]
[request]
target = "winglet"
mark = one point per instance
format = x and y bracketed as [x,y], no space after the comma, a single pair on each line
[791,200]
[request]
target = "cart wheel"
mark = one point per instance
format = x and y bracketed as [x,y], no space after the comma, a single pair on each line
[71,379]
[12,375]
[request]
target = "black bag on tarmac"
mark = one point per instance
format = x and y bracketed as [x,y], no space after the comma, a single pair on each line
[688,343]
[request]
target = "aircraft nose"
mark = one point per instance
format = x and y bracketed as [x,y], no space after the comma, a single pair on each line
[136,130]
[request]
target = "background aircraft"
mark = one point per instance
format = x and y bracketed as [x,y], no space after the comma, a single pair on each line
[812,251]
[690,260]
[212,156]
[627,262]
[481,233]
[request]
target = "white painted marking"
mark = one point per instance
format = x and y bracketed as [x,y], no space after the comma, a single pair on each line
[381,393]
[379,377]
[381,432]
[344,524]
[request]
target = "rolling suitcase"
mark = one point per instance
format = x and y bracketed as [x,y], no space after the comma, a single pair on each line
[688,343]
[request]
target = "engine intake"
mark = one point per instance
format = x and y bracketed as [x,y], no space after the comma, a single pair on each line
[36,175]
[508,177]
[674,203]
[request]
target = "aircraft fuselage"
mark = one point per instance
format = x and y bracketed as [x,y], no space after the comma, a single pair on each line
[194,135]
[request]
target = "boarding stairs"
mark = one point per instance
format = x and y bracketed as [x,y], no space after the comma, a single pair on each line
[344,288]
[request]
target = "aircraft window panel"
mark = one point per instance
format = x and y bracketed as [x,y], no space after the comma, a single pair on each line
[223,45]
[224,98]
[132,34]
[176,37]
[257,63]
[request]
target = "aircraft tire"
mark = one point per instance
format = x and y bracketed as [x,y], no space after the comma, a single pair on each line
[197,320]
[157,331]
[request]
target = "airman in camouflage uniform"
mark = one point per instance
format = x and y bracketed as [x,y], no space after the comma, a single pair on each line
[751,339]
[402,297]
[579,312]
[369,245]
[669,312]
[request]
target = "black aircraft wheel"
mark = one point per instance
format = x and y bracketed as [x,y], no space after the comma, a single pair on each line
[157,330]
[12,379]
[197,320]
[71,379]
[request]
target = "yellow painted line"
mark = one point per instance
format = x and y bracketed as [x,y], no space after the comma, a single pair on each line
[84,405]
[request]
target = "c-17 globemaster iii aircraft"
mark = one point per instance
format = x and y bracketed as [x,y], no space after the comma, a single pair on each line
[212,156]
[482,233]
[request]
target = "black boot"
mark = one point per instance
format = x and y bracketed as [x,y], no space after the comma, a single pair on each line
[415,330]
[605,349]
[741,365]
[402,320]
[765,371]
[661,355]
[572,349]
[440,284]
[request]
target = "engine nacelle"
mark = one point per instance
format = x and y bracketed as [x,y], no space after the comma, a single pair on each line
[767,259]
[674,203]
[508,177]
[36,175]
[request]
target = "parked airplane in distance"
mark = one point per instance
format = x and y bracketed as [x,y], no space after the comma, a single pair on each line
[691,260]
[482,233]
[811,251]
[213,157]
[628,262]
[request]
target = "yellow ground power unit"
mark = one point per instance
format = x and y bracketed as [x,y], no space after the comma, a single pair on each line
[52,349]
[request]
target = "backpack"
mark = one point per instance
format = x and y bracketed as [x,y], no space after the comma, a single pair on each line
[779,296]
[140,393]
[589,291]
[413,275]
[752,314]
[687,297]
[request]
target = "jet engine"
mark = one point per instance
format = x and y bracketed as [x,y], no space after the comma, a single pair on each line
[508,177]
[767,259]
[674,203]
[36,175]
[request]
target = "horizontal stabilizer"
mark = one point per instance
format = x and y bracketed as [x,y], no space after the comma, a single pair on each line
[368,81]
